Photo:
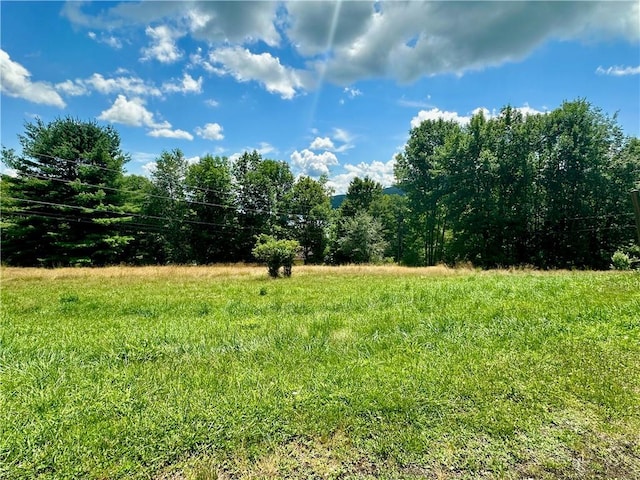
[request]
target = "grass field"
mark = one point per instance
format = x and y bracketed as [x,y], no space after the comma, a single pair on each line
[385,372]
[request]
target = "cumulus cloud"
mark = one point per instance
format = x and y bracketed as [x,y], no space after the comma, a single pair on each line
[264,68]
[212,103]
[211,131]
[213,22]
[71,88]
[313,164]
[237,22]
[317,27]
[265,148]
[168,133]
[618,71]
[133,113]
[437,114]
[407,40]
[127,85]
[345,41]
[187,85]
[163,46]
[16,82]
[381,172]
[322,143]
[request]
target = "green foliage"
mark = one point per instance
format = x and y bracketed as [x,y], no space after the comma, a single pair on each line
[211,190]
[621,261]
[65,204]
[261,187]
[310,206]
[361,194]
[276,254]
[168,210]
[361,240]
[545,190]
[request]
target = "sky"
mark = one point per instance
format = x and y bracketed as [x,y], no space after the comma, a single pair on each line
[330,87]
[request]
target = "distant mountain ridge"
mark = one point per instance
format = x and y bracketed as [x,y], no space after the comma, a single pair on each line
[337,200]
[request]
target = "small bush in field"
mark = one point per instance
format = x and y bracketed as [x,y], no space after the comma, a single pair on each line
[621,261]
[276,254]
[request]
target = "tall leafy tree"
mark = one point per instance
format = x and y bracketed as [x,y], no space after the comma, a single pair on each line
[210,188]
[391,211]
[586,177]
[65,206]
[168,211]
[310,208]
[261,188]
[421,171]
[362,192]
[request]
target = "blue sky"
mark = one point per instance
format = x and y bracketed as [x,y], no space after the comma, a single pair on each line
[330,87]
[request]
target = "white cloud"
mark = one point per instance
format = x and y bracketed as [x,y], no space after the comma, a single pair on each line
[618,71]
[342,135]
[131,112]
[187,85]
[73,89]
[313,164]
[322,143]
[212,103]
[264,148]
[352,92]
[235,22]
[408,40]
[9,172]
[127,85]
[16,82]
[211,131]
[436,114]
[168,133]
[381,172]
[527,110]
[143,157]
[109,40]
[163,47]
[245,66]
[192,160]
[149,167]
[213,22]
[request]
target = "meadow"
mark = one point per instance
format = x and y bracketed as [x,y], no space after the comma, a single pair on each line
[353,372]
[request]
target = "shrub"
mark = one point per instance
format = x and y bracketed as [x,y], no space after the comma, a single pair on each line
[621,261]
[275,254]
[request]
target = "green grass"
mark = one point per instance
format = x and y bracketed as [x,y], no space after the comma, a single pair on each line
[333,373]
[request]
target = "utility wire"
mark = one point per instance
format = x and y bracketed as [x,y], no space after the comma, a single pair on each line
[83,162]
[126,214]
[162,197]
[34,213]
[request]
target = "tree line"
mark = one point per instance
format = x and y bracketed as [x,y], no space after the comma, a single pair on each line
[544,190]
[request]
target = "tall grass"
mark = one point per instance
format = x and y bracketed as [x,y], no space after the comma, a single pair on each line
[357,372]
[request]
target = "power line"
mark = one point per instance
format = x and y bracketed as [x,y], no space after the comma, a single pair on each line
[127,214]
[34,213]
[162,197]
[83,162]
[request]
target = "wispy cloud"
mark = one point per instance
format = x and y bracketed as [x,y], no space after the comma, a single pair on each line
[618,71]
